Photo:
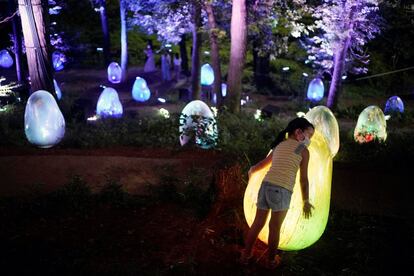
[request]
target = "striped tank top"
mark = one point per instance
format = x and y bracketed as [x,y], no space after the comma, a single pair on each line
[285,164]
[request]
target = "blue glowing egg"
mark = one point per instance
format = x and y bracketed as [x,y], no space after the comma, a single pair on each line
[44,124]
[6,61]
[224,89]
[315,90]
[57,90]
[207,75]
[109,104]
[114,72]
[394,105]
[58,60]
[140,90]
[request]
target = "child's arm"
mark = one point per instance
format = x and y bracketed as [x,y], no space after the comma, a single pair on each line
[262,164]
[304,183]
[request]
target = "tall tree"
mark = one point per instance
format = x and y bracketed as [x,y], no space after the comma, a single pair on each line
[37,45]
[196,53]
[347,25]
[237,53]
[17,40]
[124,38]
[215,53]
[100,6]
[184,55]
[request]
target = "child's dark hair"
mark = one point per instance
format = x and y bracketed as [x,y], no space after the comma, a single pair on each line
[297,123]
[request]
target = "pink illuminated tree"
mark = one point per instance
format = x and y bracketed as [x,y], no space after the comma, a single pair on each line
[346,26]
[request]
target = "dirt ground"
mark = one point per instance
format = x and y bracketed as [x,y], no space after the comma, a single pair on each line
[354,186]
[165,238]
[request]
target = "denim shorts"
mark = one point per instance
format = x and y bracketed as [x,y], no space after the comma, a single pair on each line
[273,197]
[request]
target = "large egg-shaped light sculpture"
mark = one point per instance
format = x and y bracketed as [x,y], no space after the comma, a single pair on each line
[371,125]
[6,60]
[207,75]
[57,90]
[44,124]
[114,72]
[394,105]
[316,90]
[197,122]
[140,90]
[297,232]
[58,60]
[109,104]
[325,122]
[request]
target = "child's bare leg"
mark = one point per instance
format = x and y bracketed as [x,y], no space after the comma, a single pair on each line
[258,223]
[275,223]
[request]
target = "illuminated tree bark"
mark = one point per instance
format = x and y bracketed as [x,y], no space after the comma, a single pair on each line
[17,43]
[106,37]
[195,64]
[237,53]
[124,40]
[215,56]
[37,44]
[338,69]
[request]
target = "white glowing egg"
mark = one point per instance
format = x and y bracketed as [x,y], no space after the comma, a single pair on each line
[114,72]
[197,122]
[109,104]
[44,124]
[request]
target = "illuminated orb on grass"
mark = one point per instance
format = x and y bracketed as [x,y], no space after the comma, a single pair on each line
[394,105]
[316,90]
[207,75]
[44,124]
[371,125]
[324,121]
[197,122]
[140,90]
[6,60]
[297,232]
[57,90]
[109,104]
[114,72]
[58,60]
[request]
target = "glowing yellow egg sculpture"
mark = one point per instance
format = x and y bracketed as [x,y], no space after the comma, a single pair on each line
[297,232]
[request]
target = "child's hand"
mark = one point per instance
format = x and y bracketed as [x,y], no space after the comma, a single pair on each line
[307,209]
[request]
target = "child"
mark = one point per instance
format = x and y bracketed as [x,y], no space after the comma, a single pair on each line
[277,186]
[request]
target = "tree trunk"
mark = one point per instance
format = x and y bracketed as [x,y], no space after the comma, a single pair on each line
[339,65]
[37,45]
[195,65]
[105,30]
[184,55]
[17,43]
[124,40]
[215,54]
[237,53]
[261,69]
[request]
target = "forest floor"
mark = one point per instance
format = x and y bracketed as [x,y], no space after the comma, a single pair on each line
[156,226]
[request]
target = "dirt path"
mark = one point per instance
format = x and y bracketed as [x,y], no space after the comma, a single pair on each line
[366,190]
